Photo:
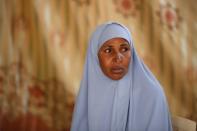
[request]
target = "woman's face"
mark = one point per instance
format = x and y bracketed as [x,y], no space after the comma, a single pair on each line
[114,58]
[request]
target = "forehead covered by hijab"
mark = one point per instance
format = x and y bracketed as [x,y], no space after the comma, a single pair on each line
[113,30]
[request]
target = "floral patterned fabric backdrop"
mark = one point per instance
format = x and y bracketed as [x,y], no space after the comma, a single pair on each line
[43,45]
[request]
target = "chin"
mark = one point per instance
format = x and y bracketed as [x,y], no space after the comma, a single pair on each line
[117,77]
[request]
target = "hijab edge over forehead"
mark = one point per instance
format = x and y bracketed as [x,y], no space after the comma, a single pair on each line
[113,30]
[109,31]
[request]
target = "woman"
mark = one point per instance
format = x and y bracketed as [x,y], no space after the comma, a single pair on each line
[118,92]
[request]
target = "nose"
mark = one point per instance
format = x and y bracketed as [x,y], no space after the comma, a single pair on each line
[118,58]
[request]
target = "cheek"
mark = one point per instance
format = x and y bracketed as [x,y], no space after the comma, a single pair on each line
[127,59]
[105,63]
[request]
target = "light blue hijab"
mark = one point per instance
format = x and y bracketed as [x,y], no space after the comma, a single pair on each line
[134,103]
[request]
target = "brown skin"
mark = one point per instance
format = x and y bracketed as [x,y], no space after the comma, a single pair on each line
[114,58]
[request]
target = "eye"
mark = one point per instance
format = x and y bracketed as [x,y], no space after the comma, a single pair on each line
[125,49]
[108,50]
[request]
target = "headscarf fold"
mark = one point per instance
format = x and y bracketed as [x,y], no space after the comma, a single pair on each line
[134,103]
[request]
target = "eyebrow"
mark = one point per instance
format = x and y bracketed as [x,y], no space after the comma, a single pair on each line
[123,44]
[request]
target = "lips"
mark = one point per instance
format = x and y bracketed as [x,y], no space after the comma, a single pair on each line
[117,70]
